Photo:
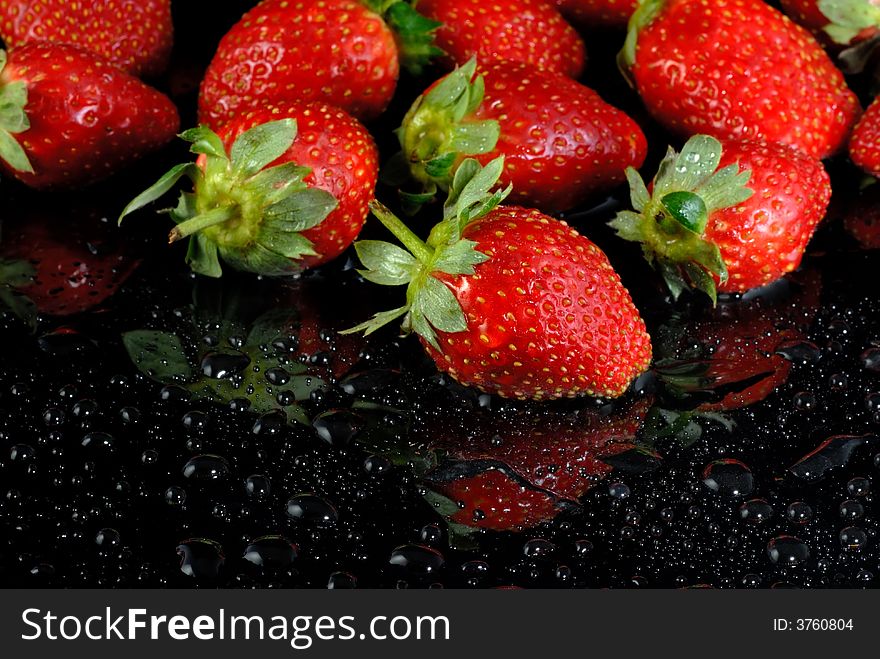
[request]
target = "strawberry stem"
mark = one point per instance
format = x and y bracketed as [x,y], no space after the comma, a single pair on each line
[411,241]
[203,221]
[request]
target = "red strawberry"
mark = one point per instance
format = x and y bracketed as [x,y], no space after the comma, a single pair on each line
[71,118]
[864,144]
[509,472]
[842,22]
[592,14]
[280,189]
[561,142]
[136,35]
[528,31]
[510,300]
[740,69]
[703,228]
[340,52]
[60,273]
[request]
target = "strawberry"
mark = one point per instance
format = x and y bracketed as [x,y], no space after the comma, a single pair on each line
[136,35]
[701,227]
[739,69]
[841,22]
[864,144]
[561,142]
[42,270]
[278,190]
[340,52]
[71,118]
[592,14]
[508,299]
[529,31]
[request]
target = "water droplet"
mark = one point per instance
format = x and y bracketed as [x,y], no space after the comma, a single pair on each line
[377,464]
[312,508]
[277,376]
[799,513]
[200,558]
[417,560]
[833,453]
[851,509]
[337,427]
[788,550]
[175,496]
[271,551]
[539,548]
[206,467]
[258,486]
[619,490]
[853,538]
[858,487]
[431,534]
[799,352]
[804,401]
[756,511]
[341,581]
[870,360]
[728,477]
[222,365]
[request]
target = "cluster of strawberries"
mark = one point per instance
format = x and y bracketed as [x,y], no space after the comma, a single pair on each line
[503,296]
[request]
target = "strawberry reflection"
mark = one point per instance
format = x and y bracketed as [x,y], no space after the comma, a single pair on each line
[515,470]
[60,257]
[741,351]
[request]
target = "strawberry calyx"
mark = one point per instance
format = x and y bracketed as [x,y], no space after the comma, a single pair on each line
[13,119]
[644,14]
[670,221]
[413,32]
[847,19]
[430,304]
[438,132]
[242,210]
[15,276]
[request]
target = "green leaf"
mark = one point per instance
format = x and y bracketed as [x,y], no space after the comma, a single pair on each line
[447,92]
[385,263]
[440,306]
[638,191]
[292,245]
[697,161]
[274,324]
[160,187]
[415,36]
[13,153]
[262,145]
[420,325]
[299,211]
[201,256]
[701,280]
[439,167]
[378,321]
[16,273]
[476,137]
[13,100]
[848,17]
[273,184]
[159,355]
[474,190]
[460,258]
[266,258]
[725,188]
[204,140]
[20,305]
[628,226]
[688,209]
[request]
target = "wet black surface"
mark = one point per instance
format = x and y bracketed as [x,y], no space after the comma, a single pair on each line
[185,432]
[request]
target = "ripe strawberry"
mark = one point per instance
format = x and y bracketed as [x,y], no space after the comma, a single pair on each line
[136,35]
[561,142]
[510,300]
[508,473]
[71,117]
[701,227]
[864,144]
[842,22]
[279,190]
[60,273]
[528,31]
[340,52]
[738,69]
[592,14]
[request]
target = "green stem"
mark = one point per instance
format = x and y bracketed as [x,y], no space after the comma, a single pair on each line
[402,232]
[203,221]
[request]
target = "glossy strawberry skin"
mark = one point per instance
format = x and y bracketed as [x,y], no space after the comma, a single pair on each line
[136,35]
[864,145]
[529,31]
[592,14]
[87,117]
[333,51]
[561,142]
[741,69]
[765,237]
[547,316]
[344,162]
